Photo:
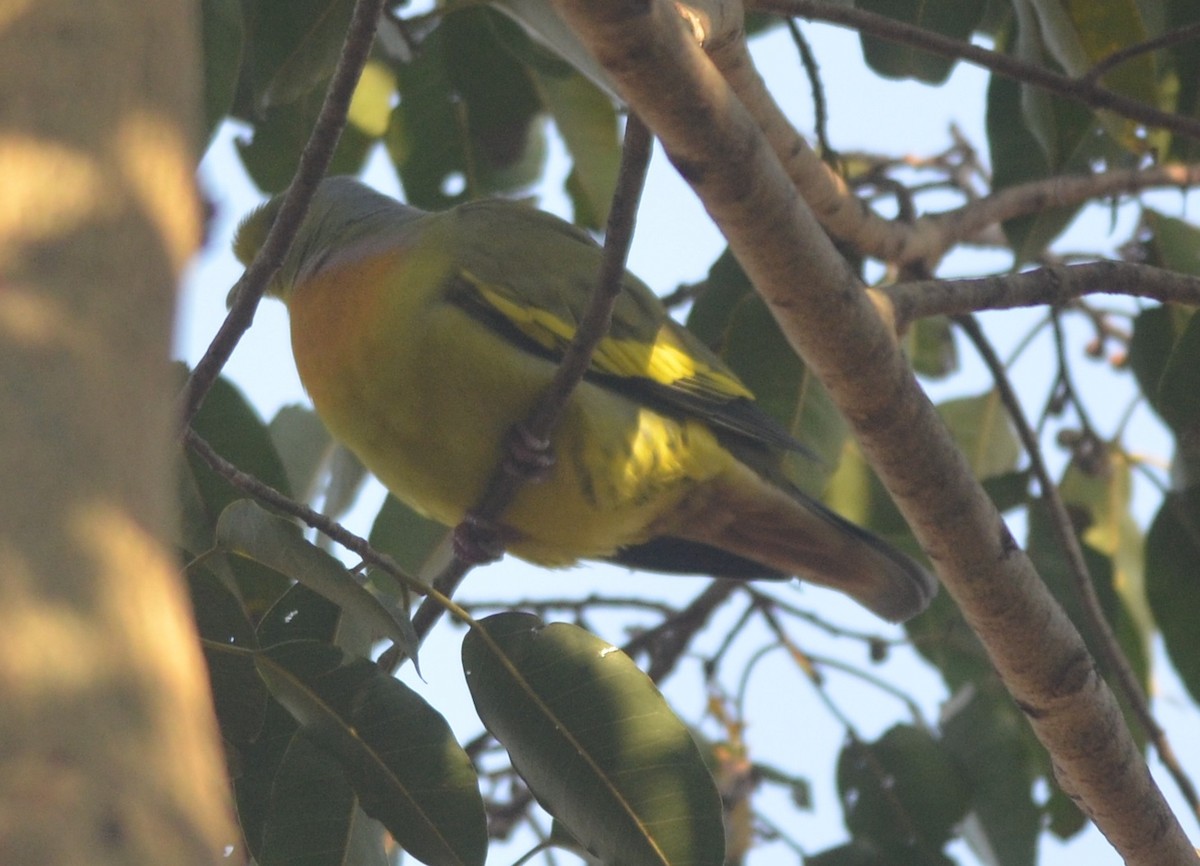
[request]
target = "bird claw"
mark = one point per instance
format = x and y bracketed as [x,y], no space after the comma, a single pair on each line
[527,456]
[477,541]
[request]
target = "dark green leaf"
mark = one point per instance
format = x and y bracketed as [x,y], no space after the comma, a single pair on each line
[228,642]
[294,46]
[248,530]
[1183,69]
[595,741]
[1017,157]
[1155,331]
[1173,582]
[279,137]
[543,19]
[301,614]
[258,764]
[223,31]
[904,793]
[1080,33]
[1179,387]
[303,445]
[733,320]
[985,732]
[982,429]
[1173,243]
[228,423]
[397,751]
[467,112]
[857,852]
[419,545]
[346,478]
[956,19]
[310,811]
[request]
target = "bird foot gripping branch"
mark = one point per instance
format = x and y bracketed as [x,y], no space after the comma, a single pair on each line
[424,338]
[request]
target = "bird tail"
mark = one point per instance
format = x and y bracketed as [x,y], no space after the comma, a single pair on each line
[767,531]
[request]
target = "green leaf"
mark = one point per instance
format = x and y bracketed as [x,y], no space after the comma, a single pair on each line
[1047,555]
[543,20]
[398,752]
[346,478]
[279,136]
[467,110]
[596,742]
[1019,156]
[1172,587]
[930,344]
[985,732]
[904,793]
[587,121]
[310,812]
[303,445]
[1173,243]
[1080,33]
[982,429]
[857,852]
[229,424]
[419,545]
[301,614]
[1183,73]
[294,48]
[250,531]
[228,642]
[222,29]
[731,318]
[1103,490]
[956,19]
[1179,387]
[1155,331]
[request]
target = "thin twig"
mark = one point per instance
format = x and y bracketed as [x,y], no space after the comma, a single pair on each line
[1110,649]
[263,492]
[1165,40]
[314,162]
[506,480]
[1084,91]
[1055,286]
[820,111]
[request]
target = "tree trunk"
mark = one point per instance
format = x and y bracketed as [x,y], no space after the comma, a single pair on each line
[108,747]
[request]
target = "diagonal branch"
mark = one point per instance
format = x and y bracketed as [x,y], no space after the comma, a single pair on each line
[821,307]
[314,161]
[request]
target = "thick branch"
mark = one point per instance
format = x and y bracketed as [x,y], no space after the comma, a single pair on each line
[714,143]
